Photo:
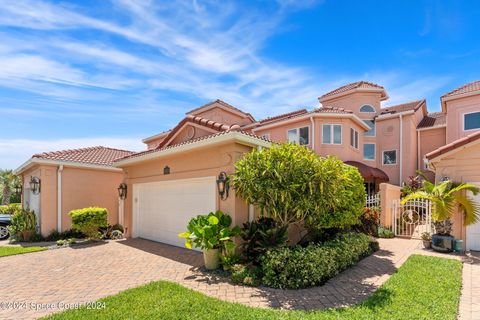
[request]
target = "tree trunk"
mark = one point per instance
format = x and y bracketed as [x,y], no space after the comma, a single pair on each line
[6,195]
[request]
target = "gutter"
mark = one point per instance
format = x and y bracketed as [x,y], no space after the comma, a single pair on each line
[33,161]
[59,198]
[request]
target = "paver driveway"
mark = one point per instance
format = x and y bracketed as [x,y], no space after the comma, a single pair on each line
[84,274]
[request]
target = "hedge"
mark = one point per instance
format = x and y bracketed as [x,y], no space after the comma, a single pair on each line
[302,267]
[89,220]
[10,209]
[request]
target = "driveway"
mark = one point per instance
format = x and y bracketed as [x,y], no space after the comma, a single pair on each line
[45,282]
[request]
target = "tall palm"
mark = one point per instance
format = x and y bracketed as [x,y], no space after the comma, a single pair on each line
[446,197]
[7,181]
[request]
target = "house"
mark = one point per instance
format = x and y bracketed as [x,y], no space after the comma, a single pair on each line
[54,183]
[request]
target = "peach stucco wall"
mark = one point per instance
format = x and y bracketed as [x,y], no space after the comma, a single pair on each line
[430,140]
[221,115]
[80,188]
[355,101]
[462,166]
[455,111]
[208,161]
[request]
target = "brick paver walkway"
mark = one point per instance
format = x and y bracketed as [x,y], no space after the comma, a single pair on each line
[470,299]
[87,273]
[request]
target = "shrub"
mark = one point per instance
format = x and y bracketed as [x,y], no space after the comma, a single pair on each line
[385,233]
[300,267]
[22,222]
[292,184]
[260,236]
[11,208]
[248,275]
[229,259]
[89,220]
[369,221]
[55,235]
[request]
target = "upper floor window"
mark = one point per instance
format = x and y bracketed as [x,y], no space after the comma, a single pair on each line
[299,135]
[354,138]
[390,157]
[471,121]
[369,151]
[367,108]
[371,132]
[332,134]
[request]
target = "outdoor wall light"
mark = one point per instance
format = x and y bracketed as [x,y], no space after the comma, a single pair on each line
[122,191]
[35,185]
[223,185]
[18,189]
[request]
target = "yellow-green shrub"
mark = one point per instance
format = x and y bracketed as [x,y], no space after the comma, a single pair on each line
[89,220]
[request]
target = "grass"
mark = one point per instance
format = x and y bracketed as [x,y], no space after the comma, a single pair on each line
[10,251]
[423,288]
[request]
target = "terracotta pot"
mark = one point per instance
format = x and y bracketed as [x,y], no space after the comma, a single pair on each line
[27,234]
[211,258]
[427,244]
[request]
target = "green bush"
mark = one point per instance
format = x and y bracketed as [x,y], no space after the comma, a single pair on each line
[302,267]
[248,275]
[290,183]
[22,221]
[369,221]
[385,233]
[11,208]
[89,220]
[54,235]
[260,236]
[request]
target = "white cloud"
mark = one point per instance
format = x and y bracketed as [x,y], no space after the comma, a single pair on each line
[16,151]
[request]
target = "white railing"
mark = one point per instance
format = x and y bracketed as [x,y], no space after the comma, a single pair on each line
[372,201]
[412,218]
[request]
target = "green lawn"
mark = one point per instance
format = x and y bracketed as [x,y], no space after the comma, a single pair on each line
[423,288]
[10,251]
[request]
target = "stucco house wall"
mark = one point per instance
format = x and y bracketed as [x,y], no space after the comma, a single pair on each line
[455,109]
[430,139]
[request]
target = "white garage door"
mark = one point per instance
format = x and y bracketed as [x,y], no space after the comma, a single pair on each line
[473,231]
[163,209]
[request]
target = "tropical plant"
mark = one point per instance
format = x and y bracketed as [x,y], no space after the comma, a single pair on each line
[8,180]
[89,220]
[385,233]
[369,221]
[446,197]
[10,209]
[260,236]
[291,184]
[211,231]
[21,223]
[426,236]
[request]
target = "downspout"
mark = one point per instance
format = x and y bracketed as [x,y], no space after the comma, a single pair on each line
[401,149]
[59,198]
[313,133]
[419,158]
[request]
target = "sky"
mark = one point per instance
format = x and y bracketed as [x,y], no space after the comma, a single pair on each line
[85,73]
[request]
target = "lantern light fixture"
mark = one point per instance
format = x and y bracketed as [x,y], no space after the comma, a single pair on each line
[223,185]
[35,185]
[18,189]
[122,191]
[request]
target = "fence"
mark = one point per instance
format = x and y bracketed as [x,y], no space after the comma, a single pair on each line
[412,218]
[372,201]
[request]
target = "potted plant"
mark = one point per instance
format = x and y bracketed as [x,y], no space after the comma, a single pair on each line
[30,224]
[446,198]
[427,240]
[211,233]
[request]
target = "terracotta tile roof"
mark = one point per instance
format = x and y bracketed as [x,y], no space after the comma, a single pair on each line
[454,145]
[351,86]
[141,153]
[434,119]
[201,121]
[413,105]
[328,109]
[223,103]
[93,155]
[283,116]
[469,87]
[368,172]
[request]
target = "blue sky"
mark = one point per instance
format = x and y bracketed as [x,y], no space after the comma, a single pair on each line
[86,73]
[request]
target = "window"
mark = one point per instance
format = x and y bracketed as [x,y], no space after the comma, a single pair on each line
[354,138]
[367,108]
[299,135]
[266,136]
[332,134]
[390,157]
[369,151]
[371,132]
[471,121]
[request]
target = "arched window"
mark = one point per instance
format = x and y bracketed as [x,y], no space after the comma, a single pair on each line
[367,108]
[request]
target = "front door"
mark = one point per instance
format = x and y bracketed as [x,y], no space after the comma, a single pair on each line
[473,231]
[32,202]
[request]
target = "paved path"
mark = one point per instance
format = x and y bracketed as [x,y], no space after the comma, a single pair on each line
[470,299]
[87,273]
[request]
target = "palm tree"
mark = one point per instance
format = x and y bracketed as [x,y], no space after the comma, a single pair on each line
[7,182]
[445,198]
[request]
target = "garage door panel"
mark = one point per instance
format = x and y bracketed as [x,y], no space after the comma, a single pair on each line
[163,209]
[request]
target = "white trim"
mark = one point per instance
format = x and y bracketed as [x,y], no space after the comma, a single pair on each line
[313,133]
[367,105]
[332,138]
[396,157]
[374,128]
[208,142]
[121,211]
[463,122]
[34,161]
[374,152]
[393,115]
[356,138]
[314,115]
[186,124]
[297,129]
[400,151]
[467,244]
[59,198]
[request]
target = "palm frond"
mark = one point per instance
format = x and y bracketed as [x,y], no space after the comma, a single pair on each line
[471,209]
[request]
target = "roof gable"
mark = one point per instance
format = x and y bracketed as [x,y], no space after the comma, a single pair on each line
[433,120]
[408,106]
[454,146]
[355,86]
[221,106]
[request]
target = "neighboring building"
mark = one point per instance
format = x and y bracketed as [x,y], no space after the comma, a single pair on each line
[71,179]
